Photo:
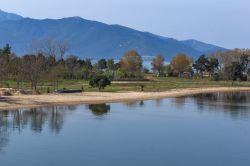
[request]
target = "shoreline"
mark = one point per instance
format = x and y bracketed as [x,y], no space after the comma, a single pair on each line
[36,101]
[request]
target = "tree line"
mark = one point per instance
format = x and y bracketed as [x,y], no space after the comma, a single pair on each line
[49,64]
[229,65]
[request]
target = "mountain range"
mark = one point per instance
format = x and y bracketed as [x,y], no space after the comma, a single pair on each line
[92,39]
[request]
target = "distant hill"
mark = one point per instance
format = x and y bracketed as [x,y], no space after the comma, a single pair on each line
[9,16]
[202,47]
[91,39]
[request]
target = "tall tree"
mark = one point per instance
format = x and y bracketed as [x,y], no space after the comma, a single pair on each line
[102,64]
[181,63]
[34,66]
[212,65]
[158,64]
[200,65]
[16,66]
[111,64]
[87,69]
[6,57]
[230,58]
[131,63]
[71,63]
[6,50]
[50,48]
[63,47]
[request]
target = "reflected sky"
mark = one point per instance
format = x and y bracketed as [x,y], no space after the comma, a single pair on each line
[207,129]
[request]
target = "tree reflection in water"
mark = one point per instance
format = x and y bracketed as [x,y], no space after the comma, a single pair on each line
[99,109]
[4,133]
[236,104]
[159,102]
[35,119]
[179,102]
[134,104]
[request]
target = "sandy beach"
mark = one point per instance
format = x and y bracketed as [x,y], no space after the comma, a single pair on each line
[32,101]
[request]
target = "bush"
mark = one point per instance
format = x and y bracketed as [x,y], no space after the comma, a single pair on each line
[99,81]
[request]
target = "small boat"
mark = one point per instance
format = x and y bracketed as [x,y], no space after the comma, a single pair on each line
[68,91]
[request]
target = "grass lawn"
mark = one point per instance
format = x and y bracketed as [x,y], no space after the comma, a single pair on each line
[157,84]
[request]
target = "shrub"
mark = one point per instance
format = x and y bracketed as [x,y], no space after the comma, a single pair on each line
[99,81]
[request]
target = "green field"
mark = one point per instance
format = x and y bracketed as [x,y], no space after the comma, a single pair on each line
[157,84]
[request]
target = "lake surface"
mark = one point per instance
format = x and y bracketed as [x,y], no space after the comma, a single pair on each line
[202,130]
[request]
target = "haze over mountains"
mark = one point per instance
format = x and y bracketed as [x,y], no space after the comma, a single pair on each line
[91,39]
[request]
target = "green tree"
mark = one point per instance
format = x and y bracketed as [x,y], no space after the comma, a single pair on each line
[99,81]
[212,65]
[102,64]
[87,69]
[111,64]
[71,63]
[240,68]
[7,49]
[235,71]
[200,65]
[6,57]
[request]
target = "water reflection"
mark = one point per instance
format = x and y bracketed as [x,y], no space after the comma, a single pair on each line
[141,103]
[4,133]
[99,109]
[235,104]
[159,102]
[35,119]
[53,118]
[134,104]
[179,102]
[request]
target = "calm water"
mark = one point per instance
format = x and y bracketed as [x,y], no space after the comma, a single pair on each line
[203,130]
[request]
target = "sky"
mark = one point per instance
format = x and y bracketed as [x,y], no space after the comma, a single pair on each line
[220,22]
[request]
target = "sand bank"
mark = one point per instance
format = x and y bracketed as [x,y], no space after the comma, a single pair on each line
[31,101]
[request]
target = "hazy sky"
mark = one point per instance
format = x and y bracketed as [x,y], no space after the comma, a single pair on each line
[222,22]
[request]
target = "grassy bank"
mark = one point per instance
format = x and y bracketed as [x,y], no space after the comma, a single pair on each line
[156,84]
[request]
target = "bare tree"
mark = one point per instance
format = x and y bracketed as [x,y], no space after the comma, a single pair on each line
[34,67]
[50,47]
[16,69]
[63,47]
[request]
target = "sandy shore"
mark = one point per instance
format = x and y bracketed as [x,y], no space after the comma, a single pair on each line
[31,101]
